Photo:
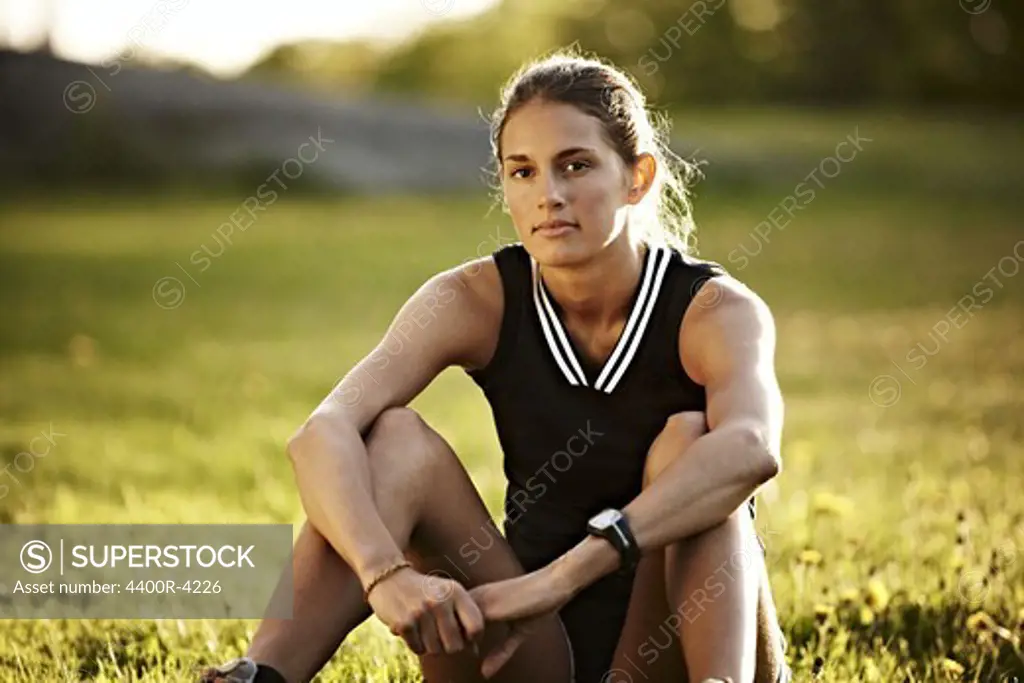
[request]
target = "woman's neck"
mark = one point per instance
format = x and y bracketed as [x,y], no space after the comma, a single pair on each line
[598,293]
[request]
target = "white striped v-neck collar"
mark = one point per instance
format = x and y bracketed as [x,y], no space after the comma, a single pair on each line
[655,264]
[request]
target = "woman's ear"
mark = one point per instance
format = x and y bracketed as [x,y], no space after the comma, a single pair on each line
[644,170]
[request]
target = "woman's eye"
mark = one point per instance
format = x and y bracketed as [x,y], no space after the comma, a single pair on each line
[519,173]
[579,164]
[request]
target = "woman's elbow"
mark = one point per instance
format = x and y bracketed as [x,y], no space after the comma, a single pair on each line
[761,455]
[302,441]
[322,432]
[769,466]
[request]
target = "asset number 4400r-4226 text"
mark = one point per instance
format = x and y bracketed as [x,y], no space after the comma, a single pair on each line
[167,586]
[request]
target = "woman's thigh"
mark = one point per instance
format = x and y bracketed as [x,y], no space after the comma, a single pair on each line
[454,537]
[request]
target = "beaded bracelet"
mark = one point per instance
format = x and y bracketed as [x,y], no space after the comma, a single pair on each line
[383,574]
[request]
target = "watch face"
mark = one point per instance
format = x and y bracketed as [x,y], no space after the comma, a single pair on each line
[605,519]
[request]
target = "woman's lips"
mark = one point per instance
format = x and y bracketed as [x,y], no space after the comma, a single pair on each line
[554,228]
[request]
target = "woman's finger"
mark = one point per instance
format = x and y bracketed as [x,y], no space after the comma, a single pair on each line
[470,617]
[448,628]
[428,633]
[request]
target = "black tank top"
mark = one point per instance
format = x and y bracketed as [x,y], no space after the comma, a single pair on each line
[574,436]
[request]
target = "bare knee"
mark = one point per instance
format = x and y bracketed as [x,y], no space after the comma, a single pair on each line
[403,451]
[396,421]
[679,433]
[401,431]
[686,427]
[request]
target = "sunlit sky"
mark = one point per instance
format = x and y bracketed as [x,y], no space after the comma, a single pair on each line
[223,36]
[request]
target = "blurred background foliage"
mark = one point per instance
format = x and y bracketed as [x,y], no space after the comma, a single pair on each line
[901,52]
[752,84]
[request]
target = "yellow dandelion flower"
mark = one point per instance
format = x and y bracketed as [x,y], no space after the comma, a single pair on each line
[877,594]
[849,595]
[866,616]
[980,621]
[810,556]
[831,504]
[951,666]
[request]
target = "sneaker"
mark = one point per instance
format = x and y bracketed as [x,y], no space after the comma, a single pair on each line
[240,670]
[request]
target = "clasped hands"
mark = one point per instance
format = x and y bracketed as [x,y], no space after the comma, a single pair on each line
[435,614]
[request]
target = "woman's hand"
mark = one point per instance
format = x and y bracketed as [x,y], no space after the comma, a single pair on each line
[432,614]
[521,602]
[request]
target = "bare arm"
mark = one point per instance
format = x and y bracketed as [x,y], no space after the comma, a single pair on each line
[727,343]
[453,319]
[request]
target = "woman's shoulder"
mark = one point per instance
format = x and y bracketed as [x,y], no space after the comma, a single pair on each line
[708,294]
[488,277]
[477,282]
[726,305]
[480,284]
[713,284]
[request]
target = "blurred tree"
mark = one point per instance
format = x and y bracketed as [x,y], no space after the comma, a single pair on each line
[465,60]
[353,65]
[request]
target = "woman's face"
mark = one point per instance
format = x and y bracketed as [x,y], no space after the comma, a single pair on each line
[557,166]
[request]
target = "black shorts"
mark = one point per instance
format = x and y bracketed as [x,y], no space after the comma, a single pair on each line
[593,622]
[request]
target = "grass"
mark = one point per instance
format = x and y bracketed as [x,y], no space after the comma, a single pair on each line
[895,500]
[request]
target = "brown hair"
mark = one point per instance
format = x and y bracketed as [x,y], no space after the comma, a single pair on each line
[610,95]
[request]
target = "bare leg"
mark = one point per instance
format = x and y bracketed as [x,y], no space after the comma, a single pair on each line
[706,596]
[718,580]
[300,647]
[431,508]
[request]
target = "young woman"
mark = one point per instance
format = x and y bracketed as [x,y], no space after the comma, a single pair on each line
[635,399]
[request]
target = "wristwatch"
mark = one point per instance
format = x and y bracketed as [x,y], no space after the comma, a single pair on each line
[612,525]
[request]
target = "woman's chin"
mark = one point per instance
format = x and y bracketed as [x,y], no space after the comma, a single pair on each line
[567,250]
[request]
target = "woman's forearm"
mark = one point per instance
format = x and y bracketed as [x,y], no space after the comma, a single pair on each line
[333,476]
[698,490]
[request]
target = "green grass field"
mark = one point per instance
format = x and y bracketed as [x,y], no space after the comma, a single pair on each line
[895,532]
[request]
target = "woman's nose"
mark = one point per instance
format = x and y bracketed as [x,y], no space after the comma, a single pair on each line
[552,195]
